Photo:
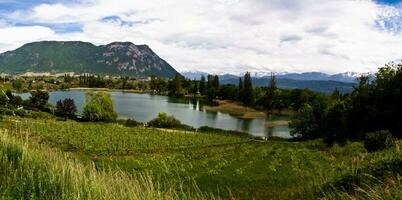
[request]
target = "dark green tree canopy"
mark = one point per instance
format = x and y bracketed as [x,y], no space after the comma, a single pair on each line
[66,108]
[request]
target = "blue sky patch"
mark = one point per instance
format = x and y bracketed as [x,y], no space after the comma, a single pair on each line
[391,2]
[58,28]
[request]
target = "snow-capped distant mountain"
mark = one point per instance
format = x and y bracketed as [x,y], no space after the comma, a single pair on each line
[194,74]
[349,77]
[316,81]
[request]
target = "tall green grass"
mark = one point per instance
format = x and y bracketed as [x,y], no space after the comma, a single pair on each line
[379,177]
[109,161]
[31,171]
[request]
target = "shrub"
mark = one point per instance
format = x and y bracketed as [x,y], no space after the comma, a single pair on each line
[6,111]
[164,121]
[132,123]
[99,107]
[20,112]
[379,140]
[40,115]
[3,100]
[207,129]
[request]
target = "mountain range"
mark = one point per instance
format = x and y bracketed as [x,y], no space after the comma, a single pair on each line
[316,81]
[117,58]
[348,77]
[128,59]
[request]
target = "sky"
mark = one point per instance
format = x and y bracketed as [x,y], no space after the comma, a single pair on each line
[222,36]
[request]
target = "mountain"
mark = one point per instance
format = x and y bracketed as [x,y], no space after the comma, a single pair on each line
[117,58]
[349,77]
[325,86]
[194,74]
[316,81]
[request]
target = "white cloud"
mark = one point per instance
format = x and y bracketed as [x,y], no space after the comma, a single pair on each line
[229,35]
[13,37]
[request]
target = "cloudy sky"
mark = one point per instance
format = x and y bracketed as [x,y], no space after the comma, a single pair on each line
[222,35]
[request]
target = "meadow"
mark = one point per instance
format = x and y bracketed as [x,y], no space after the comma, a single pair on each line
[50,159]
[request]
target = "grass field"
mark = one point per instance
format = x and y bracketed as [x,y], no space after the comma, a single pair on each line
[73,160]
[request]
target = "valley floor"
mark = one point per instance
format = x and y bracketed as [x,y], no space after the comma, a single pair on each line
[49,159]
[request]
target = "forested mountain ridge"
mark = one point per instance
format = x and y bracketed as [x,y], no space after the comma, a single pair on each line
[117,58]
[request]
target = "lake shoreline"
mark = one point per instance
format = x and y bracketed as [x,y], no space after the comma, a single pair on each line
[194,112]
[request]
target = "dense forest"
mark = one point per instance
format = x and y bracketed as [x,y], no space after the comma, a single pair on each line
[372,106]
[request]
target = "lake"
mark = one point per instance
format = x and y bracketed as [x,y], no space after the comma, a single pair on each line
[145,107]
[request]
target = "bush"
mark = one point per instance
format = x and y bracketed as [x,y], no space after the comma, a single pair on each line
[132,123]
[164,121]
[379,140]
[207,129]
[21,112]
[40,115]
[6,111]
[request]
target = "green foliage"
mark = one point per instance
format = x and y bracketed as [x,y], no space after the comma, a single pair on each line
[14,100]
[270,94]
[66,108]
[6,111]
[163,120]
[207,129]
[21,112]
[379,140]
[17,85]
[336,123]
[202,84]
[373,180]
[310,121]
[3,100]
[373,105]
[132,123]
[246,92]
[175,87]
[39,99]
[99,107]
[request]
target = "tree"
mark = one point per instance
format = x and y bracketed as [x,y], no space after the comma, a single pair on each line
[212,87]
[336,124]
[39,99]
[3,99]
[270,93]
[248,95]
[14,100]
[124,80]
[202,85]
[66,108]
[309,122]
[241,90]
[17,85]
[194,90]
[99,107]
[175,87]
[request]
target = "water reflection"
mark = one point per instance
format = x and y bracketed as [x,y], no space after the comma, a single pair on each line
[144,107]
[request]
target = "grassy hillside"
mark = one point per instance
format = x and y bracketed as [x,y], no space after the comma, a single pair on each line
[107,161]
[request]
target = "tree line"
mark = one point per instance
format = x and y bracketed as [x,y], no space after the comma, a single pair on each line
[374,105]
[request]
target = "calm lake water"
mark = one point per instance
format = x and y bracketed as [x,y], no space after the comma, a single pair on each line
[144,107]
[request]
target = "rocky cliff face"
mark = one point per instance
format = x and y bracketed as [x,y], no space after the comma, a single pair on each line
[117,58]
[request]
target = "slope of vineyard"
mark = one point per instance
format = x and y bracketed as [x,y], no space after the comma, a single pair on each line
[71,160]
